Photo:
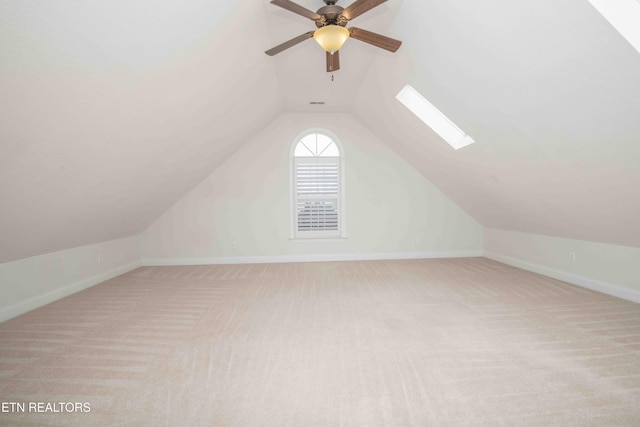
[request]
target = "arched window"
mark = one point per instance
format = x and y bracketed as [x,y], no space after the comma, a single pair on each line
[317,187]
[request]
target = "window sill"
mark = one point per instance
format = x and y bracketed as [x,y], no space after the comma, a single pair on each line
[317,239]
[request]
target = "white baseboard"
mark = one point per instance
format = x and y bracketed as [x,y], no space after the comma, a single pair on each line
[37,301]
[309,258]
[585,282]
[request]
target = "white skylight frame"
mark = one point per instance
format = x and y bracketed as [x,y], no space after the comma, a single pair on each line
[624,15]
[433,118]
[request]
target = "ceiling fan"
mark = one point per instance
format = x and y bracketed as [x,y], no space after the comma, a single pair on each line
[331,34]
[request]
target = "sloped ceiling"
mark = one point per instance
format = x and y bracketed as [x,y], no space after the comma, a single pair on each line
[111,111]
[550,92]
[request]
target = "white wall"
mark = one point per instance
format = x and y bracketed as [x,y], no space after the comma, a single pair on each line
[32,282]
[611,269]
[392,210]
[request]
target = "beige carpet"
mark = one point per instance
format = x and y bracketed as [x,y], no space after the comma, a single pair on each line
[464,342]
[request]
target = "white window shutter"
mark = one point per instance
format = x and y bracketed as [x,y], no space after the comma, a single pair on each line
[316,188]
[317,194]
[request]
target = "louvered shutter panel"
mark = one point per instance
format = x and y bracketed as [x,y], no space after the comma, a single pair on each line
[317,195]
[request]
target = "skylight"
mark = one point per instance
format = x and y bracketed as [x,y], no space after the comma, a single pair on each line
[624,15]
[433,118]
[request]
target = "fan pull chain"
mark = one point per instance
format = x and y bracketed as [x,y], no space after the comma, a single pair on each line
[332,76]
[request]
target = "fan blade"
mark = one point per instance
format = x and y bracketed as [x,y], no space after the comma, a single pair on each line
[375,39]
[359,7]
[333,61]
[296,8]
[286,45]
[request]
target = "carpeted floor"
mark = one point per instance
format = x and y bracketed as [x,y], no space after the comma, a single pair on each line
[449,342]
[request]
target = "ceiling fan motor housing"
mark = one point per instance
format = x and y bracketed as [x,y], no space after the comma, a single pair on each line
[331,15]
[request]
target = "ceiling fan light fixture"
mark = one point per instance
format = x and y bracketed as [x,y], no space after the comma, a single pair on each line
[331,37]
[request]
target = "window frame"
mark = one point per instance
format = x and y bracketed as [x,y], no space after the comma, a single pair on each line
[315,235]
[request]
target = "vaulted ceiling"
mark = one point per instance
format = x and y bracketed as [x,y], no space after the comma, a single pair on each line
[111,111]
